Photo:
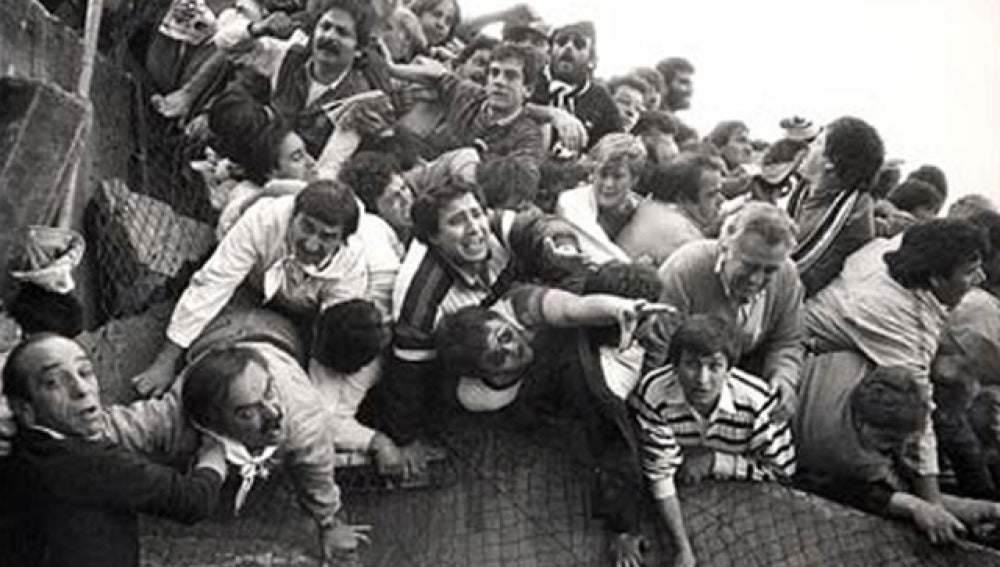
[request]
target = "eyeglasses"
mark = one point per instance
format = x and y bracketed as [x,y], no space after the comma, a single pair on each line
[579,42]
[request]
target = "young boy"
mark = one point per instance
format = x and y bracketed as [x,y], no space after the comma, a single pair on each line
[77,498]
[698,417]
[344,364]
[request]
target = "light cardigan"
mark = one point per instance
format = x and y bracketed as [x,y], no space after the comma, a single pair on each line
[692,284]
[257,249]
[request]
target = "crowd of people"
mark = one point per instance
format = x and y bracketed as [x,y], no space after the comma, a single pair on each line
[419,221]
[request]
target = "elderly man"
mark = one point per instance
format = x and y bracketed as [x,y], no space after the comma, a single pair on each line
[747,278]
[75,492]
[686,203]
[461,256]
[298,255]
[255,400]
[306,79]
[891,308]
[570,81]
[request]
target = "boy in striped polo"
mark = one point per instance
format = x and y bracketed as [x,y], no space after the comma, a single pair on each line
[699,417]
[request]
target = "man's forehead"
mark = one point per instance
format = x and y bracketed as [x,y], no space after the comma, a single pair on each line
[754,249]
[52,352]
[337,15]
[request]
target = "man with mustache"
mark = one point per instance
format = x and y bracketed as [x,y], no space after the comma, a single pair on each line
[568,81]
[257,402]
[747,278]
[298,254]
[305,80]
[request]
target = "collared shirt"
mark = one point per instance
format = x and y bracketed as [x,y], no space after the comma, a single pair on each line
[746,443]
[866,311]
[256,249]
[749,313]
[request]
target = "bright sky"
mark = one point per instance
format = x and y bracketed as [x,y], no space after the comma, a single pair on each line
[925,73]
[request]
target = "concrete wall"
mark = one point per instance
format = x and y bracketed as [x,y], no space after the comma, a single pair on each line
[35,45]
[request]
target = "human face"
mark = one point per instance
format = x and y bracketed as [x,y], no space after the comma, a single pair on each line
[702,379]
[630,105]
[660,146]
[314,241]
[653,99]
[679,91]
[65,395]
[738,150]
[505,88]
[507,350]
[475,66]
[572,54]
[394,204]
[815,164]
[438,22]
[335,39]
[294,162]
[612,184]
[709,198]
[252,413]
[952,289]
[749,264]
[463,231]
[535,40]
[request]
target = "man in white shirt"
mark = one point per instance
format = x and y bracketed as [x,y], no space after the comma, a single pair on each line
[298,254]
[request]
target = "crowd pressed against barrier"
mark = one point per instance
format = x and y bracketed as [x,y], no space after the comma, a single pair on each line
[419,221]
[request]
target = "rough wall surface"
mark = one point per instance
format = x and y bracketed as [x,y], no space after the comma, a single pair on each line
[35,45]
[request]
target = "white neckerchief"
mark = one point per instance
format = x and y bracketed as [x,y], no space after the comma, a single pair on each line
[276,276]
[238,455]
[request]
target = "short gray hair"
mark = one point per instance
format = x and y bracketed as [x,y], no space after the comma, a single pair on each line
[769,222]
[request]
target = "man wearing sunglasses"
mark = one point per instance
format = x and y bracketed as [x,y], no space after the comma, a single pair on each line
[568,82]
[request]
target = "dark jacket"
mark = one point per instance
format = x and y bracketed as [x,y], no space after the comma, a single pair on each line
[76,503]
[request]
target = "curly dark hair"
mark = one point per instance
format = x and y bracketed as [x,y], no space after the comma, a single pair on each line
[856,151]
[913,194]
[368,174]
[935,249]
[348,335]
[361,11]
[248,133]
[428,205]
[933,175]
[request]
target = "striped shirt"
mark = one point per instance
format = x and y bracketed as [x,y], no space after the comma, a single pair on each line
[747,444]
